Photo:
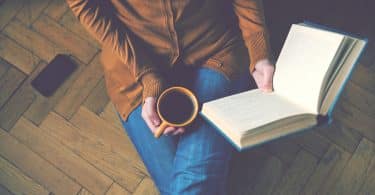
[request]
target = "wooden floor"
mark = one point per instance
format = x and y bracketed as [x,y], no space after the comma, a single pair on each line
[73,143]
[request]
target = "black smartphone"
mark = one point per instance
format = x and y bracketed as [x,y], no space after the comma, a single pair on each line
[54,74]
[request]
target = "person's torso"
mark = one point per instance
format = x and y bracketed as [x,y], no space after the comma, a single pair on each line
[191,30]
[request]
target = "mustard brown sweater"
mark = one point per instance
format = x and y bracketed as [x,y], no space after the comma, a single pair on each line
[142,41]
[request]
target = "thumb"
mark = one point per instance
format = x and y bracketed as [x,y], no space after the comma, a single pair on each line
[268,81]
[257,78]
[263,80]
[153,114]
[267,85]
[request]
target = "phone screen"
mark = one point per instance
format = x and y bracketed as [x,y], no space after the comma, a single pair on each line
[53,75]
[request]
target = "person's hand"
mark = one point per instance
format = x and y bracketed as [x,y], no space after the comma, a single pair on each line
[150,116]
[263,75]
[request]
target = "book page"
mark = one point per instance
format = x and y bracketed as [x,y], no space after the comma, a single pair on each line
[244,111]
[336,69]
[342,77]
[343,55]
[302,64]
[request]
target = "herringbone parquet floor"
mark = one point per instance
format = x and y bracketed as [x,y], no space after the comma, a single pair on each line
[73,142]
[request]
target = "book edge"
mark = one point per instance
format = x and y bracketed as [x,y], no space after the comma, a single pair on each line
[237,147]
[344,83]
[333,30]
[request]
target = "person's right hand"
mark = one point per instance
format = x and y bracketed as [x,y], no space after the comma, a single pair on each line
[263,75]
[150,116]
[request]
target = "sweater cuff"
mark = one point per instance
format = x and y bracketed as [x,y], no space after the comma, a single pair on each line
[259,48]
[153,85]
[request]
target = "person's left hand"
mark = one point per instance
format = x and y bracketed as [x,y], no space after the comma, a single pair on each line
[153,121]
[263,75]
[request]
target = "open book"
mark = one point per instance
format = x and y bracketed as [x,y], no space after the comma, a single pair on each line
[311,71]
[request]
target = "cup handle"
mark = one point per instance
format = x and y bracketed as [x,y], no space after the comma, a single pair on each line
[160,129]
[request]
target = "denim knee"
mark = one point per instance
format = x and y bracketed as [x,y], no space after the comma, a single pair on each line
[201,176]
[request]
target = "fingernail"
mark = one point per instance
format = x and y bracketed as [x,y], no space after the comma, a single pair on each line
[267,90]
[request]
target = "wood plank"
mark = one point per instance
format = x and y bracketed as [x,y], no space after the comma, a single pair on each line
[325,166]
[368,186]
[79,47]
[31,10]
[4,191]
[39,170]
[32,40]
[97,128]
[269,176]
[242,177]
[364,76]
[92,149]
[41,106]
[17,55]
[117,190]
[352,117]
[15,107]
[70,22]
[8,10]
[19,101]
[60,156]
[368,57]
[109,114]
[98,98]
[56,9]
[4,66]
[352,176]
[9,83]
[146,187]
[313,142]
[83,191]
[297,174]
[16,182]
[334,173]
[284,148]
[76,95]
[345,137]
[372,66]
[362,99]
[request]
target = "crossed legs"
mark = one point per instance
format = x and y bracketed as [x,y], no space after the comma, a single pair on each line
[196,162]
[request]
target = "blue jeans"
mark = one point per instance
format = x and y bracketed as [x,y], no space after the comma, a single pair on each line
[196,162]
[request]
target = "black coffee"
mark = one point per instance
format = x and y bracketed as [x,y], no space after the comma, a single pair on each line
[176,107]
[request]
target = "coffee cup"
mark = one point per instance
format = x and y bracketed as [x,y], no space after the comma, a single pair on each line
[176,106]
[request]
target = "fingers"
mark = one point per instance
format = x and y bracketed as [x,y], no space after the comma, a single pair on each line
[174,130]
[153,113]
[263,76]
[169,130]
[258,78]
[263,82]
[268,78]
[149,114]
[179,130]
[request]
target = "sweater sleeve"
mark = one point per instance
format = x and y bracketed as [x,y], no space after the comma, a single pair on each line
[98,17]
[254,31]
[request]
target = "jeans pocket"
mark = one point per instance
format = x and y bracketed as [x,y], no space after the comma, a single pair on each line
[216,66]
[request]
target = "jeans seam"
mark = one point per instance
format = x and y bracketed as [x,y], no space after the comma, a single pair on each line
[218,70]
